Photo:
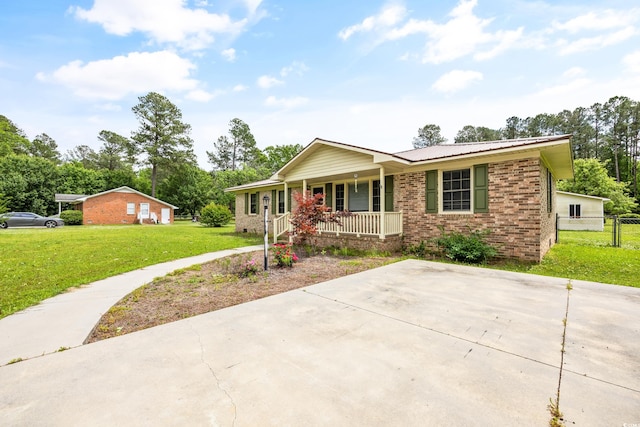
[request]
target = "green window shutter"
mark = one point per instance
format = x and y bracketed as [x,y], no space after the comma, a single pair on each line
[388,193]
[431,191]
[246,203]
[328,195]
[274,202]
[481,188]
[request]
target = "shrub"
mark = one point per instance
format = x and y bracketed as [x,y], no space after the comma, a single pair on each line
[419,250]
[249,268]
[629,215]
[283,255]
[214,215]
[467,248]
[71,217]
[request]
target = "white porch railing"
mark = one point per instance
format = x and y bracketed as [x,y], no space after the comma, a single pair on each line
[281,225]
[360,224]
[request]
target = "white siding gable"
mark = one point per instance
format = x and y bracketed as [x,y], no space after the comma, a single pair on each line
[326,161]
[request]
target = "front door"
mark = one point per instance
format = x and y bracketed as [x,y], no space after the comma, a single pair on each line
[144,210]
[165,216]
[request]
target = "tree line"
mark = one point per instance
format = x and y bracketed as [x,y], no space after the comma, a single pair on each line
[157,158]
[605,133]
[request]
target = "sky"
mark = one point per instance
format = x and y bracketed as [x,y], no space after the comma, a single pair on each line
[361,72]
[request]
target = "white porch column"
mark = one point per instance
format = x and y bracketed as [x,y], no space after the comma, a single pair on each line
[382,200]
[286,197]
[304,189]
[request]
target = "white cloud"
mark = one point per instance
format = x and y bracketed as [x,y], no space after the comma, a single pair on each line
[293,102]
[463,34]
[390,15]
[240,88]
[574,72]
[115,78]
[596,42]
[168,21]
[229,54]
[632,61]
[200,95]
[601,20]
[456,80]
[266,82]
[298,68]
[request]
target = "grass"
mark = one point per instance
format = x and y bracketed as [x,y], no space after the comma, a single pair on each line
[588,255]
[36,264]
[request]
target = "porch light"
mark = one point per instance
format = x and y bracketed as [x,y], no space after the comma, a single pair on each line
[265,203]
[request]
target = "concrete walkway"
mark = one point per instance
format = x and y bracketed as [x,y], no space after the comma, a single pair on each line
[410,344]
[67,319]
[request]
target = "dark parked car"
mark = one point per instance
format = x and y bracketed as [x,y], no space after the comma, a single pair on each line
[28,219]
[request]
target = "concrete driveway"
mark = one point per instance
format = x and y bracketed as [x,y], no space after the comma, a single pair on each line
[413,343]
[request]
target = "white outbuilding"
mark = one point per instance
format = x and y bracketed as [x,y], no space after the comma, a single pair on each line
[580,212]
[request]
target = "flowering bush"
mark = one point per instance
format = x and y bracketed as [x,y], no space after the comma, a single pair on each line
[249,268]
[283,255]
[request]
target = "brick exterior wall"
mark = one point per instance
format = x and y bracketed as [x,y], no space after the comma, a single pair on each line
[520,225]
[111,208]
[392,244]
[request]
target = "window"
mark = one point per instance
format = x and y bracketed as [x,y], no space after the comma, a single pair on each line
[575,211]
[456,190]
[281,201]
[359,197]
[131,208]
[339,197]
[376,196]
[254,203]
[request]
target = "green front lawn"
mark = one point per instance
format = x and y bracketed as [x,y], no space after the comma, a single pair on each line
[36,264]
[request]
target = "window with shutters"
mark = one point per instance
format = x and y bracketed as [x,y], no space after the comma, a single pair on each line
[281,201]
[376,195]
[456,190]
[254,203]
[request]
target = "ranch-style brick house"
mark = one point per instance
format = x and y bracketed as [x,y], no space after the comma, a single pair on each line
[506,186]
[122,205]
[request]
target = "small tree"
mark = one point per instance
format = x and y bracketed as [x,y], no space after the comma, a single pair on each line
[214,215]
[307,214]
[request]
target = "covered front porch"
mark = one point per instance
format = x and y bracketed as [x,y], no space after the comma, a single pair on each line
[380,224]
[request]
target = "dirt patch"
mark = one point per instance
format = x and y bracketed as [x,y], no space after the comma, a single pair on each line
[219,284]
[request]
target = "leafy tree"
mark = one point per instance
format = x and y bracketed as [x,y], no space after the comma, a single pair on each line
[279,155]
[12,139]
[84,155]
[188,188]
[45,147]
[237,149]
[162,138]
[29,183]
[427,136]
[76,179]
[4,203]
[591,178]
[116,152]
[121,177]
[232,178]
[473,134]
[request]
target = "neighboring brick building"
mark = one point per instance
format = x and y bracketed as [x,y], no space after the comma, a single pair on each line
[121,205]
[507,187]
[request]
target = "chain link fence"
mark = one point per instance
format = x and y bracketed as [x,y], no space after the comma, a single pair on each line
[613,231]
